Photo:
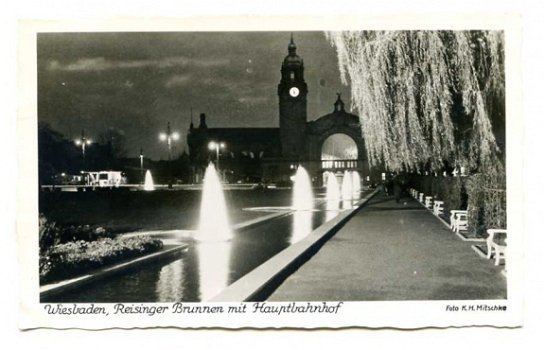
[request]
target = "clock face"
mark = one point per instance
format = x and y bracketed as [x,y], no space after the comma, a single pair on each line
[294,92]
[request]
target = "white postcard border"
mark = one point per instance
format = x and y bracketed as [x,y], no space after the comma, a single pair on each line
[401,314]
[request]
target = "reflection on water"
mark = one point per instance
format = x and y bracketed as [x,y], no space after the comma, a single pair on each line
[356,183]
[347,191]
[213,264]
[170,283]
[207,267]
[302,225]
[332,210]
[333,195]
[303,203]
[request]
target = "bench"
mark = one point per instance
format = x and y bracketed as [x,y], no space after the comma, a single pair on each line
[458,220]
[496,244]
[438,208]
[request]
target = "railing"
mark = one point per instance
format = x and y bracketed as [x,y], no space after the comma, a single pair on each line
[335,164]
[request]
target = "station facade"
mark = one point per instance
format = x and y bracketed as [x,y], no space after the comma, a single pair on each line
[331,143]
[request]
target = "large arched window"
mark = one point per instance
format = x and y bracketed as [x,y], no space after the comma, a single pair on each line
[339,146]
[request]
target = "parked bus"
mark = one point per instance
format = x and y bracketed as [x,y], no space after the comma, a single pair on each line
[104,178]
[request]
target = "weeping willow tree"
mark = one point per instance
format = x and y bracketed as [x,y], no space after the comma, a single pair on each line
[429,100]
[426,98]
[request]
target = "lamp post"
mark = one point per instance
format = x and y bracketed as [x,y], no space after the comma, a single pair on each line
[169,136]
[83,142]
[213,145]
[142,165]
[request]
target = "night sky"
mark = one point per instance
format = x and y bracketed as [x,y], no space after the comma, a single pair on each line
[132,84]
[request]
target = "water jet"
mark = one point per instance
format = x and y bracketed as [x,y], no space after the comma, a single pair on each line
[148,182]
[213,221]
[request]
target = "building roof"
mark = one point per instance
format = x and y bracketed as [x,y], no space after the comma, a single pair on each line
[244,135]
[248,139]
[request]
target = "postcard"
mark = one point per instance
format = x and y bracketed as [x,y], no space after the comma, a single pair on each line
[270,172]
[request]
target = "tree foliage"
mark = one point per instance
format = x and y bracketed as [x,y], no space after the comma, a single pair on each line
[426,98]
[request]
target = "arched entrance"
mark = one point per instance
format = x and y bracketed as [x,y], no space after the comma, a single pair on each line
[339,152]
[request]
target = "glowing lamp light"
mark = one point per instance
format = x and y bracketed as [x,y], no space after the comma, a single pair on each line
[162,136]
[77,142]
[175,136]
[88,142]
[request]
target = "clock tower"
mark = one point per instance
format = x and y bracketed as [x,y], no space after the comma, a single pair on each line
[292,98]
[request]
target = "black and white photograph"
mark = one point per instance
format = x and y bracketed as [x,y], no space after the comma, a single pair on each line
[286,172]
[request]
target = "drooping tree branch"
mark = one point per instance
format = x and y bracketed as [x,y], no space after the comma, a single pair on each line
[426,98]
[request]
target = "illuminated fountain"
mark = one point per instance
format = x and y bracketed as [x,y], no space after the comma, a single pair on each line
[346,189]
[214,231]
[332,188]
[302,191]
[347,192]
[356,184]
[213,223]
[148,182]
[303,204]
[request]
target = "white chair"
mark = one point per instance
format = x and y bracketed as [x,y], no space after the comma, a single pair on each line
[438,207]
[421,197]
[458,220]
[428,203]
[495,247]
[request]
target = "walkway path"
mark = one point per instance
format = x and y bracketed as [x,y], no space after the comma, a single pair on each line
[394,251]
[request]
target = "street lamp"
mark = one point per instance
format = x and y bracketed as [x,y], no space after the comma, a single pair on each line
[142,164]
[83,142]
[213,145]
[169,136]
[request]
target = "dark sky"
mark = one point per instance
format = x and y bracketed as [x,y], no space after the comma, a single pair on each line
[134,83]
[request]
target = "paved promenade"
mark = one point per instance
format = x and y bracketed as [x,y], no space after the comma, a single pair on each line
[394,251]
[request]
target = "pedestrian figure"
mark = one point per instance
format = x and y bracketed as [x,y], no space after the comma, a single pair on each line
[397,188]
[384,187]
[389,185]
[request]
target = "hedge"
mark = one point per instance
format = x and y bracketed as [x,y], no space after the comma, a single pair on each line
[483,195]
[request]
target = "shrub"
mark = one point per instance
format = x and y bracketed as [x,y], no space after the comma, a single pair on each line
[51,234]
[70,259]
[487,202]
